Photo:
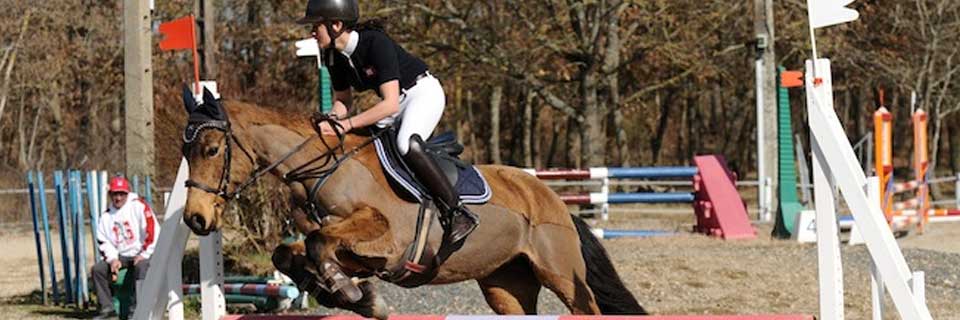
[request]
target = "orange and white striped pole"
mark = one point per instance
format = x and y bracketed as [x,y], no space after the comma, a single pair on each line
[883,157]
[920,165]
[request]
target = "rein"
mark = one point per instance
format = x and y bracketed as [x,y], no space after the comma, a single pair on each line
[320,167]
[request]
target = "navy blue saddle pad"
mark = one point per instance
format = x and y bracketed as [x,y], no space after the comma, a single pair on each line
[468,181]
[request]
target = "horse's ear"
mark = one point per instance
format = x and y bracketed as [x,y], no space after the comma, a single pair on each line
[214,105]
[208,97]
[189,102]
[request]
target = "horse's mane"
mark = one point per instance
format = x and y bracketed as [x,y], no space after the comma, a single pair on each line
[245,114]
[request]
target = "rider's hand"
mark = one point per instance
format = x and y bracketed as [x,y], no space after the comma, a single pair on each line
[345,125]
[137,260]
[339,109]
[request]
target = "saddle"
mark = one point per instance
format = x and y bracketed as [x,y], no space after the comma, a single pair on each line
[420,260]
[445,150]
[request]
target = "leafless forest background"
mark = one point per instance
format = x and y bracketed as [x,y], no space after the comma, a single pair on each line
[538,83]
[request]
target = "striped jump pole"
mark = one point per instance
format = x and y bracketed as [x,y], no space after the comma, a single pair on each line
[617,233]
[715,200]
[263,290]
[615,173]
[607,173]
[635,197]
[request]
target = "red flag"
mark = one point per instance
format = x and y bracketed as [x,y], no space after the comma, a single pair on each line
[791,79]
[181,34]
[178,34]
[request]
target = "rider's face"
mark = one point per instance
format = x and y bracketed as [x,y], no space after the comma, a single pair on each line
[320,33]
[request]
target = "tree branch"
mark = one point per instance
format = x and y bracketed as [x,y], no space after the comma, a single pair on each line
[658,86]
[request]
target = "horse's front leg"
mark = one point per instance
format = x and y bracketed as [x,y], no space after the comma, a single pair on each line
[313,264]
[291,260]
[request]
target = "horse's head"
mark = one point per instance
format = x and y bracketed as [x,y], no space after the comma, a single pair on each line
[218,162]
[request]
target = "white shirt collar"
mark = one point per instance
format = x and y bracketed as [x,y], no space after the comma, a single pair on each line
[351,43]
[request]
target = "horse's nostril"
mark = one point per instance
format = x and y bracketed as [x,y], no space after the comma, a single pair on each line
[196,222]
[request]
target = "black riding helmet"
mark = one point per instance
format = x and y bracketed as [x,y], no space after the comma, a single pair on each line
[327,11]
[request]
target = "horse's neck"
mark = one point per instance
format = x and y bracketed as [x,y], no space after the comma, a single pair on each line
[274,142]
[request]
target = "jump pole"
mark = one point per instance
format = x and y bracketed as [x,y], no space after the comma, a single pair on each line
[36,236]
[64,239]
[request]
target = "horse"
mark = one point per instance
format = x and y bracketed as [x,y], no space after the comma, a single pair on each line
[526,239]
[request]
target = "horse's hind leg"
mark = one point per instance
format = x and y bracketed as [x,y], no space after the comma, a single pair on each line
[512,288]
[558,264]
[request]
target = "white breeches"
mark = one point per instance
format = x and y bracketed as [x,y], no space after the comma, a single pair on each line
[420,110]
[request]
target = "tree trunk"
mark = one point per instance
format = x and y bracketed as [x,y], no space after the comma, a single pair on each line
[527,124]
[253,51]
[9,64]
[953,140]
[572,143]
[58,121]
[622,141]
[593,140]
[21,137]
[554,141]
[472,125]
[691,116]
[612,60]
[495,99]
[457,108]
[657,142]
[935,155]
[31,146]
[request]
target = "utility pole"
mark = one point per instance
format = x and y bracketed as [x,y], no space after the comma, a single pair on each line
[207,19]
[138,88]
[766,107]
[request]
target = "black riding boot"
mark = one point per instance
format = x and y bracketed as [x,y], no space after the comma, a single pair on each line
[457,221]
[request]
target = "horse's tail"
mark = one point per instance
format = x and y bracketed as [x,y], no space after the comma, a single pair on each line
[608,289]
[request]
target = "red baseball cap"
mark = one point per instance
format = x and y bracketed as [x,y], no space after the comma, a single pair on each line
[119,184]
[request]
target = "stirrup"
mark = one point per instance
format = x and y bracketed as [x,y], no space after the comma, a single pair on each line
[449,219]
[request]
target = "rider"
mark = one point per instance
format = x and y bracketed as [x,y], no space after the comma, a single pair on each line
[362,57]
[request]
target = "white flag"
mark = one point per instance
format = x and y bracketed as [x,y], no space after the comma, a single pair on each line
[308,48]
[830,12]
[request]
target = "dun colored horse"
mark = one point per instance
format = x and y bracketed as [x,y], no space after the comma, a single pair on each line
[526,239]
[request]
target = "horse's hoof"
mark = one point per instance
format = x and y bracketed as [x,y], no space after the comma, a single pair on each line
[283,258]
[380,309]
[372,305]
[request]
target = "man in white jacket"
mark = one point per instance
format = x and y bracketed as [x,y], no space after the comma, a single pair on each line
[127,234]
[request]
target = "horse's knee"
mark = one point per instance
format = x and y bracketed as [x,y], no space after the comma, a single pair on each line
[314,246]
[283,258]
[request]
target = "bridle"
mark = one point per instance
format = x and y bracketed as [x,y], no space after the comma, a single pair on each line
[319,168]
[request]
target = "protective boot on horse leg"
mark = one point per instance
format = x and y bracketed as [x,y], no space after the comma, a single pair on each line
[333,278]
[457,221]
[291,260]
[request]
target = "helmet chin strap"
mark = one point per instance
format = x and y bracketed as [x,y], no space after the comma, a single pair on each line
[333,41]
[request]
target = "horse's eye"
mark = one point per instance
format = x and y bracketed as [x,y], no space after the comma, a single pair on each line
[212,151]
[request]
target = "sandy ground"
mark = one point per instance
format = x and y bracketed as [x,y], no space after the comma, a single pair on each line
[685,274]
